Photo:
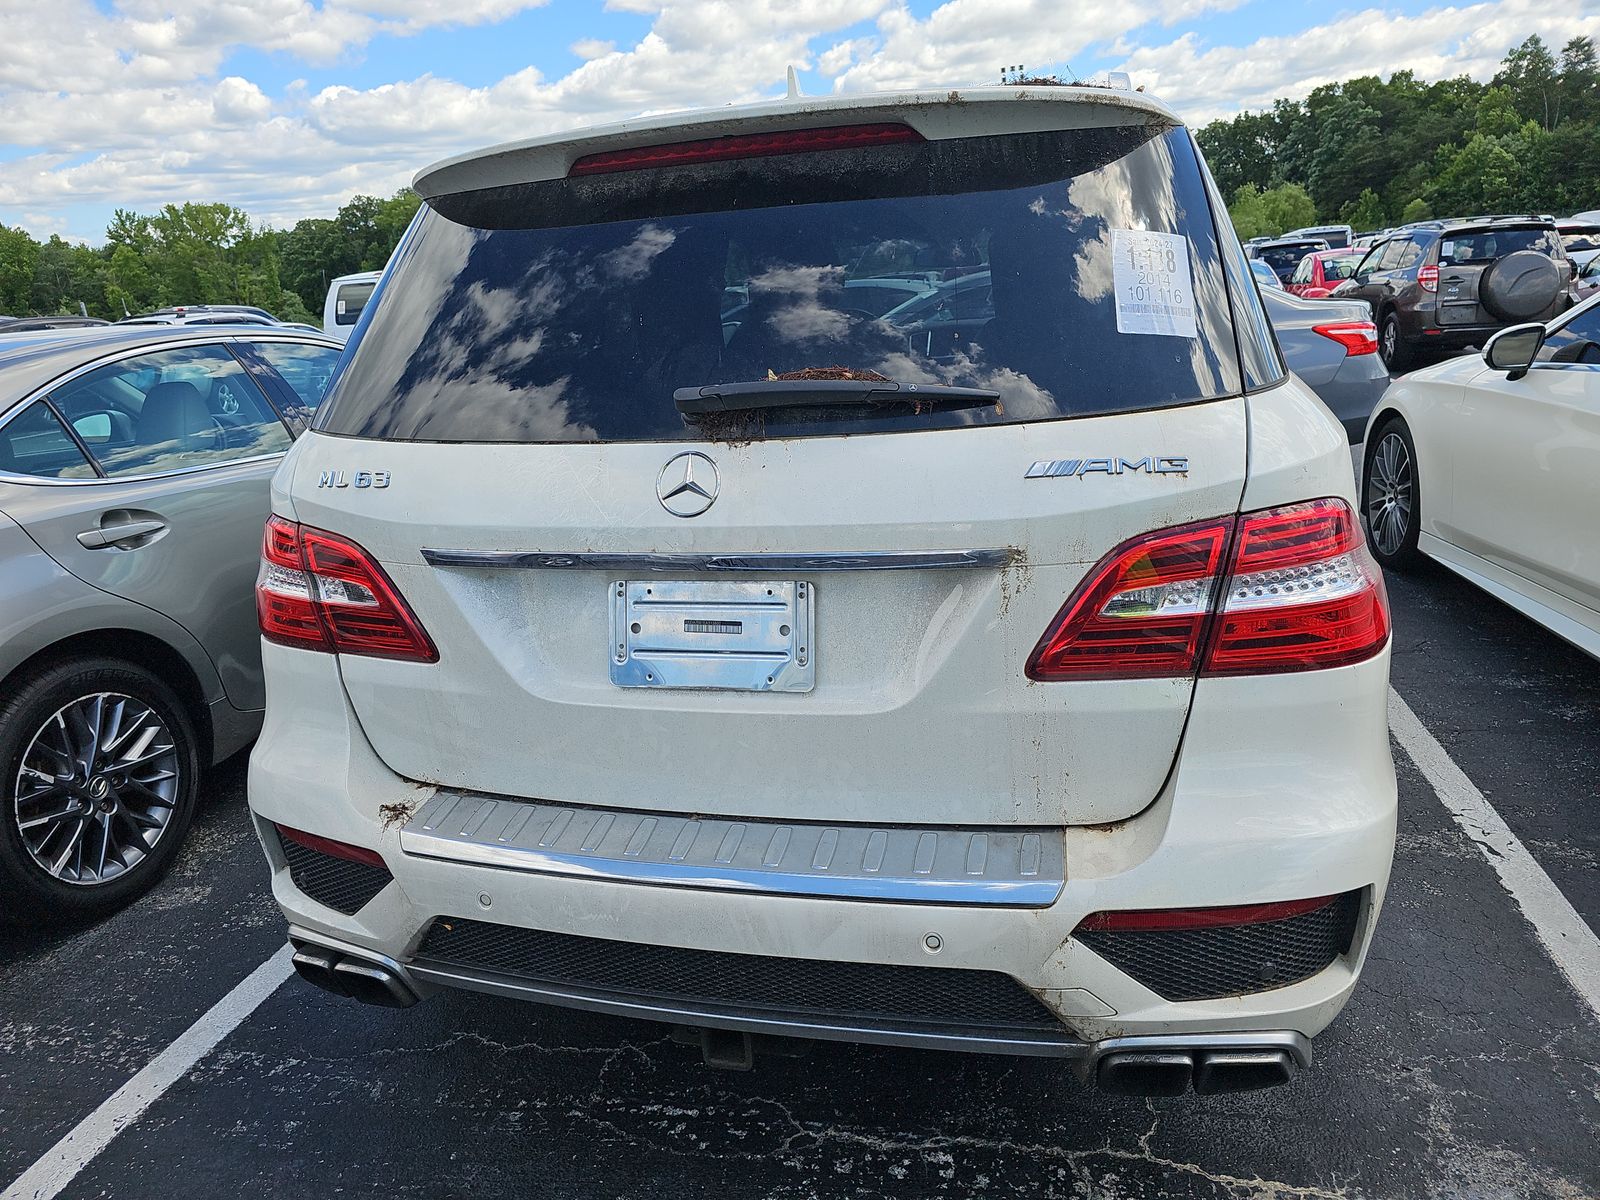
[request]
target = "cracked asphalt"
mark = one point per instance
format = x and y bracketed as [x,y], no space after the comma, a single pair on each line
[1464,1067]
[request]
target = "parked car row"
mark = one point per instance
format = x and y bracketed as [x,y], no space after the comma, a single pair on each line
[1442,286]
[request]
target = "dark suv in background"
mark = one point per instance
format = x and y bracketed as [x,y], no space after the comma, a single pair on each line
[1447,285]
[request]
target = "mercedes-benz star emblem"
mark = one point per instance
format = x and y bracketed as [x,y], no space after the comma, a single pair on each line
[687,485]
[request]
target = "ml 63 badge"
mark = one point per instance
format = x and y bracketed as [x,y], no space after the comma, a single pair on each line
[355,479]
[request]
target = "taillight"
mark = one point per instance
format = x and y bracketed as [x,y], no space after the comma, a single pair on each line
[749,145]
[1357,337]
[1303,593]
[319,591]
[1299,591]
[1428,279]
[1142,612]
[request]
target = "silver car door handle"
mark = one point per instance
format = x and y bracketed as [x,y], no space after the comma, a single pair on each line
[115,535]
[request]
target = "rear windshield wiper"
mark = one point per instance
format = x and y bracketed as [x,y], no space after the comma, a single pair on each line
[798,393]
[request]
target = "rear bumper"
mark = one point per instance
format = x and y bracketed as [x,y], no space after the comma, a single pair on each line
[1354,391]
[1284,789]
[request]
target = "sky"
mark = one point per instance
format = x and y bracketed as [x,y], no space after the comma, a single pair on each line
[287,108]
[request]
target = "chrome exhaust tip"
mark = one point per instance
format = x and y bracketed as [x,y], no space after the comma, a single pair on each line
[1146,1073]
[351,976]
[1242,1071]
[1211,1063]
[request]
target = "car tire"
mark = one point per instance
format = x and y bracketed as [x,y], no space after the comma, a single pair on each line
[1397,355]
[1391,507]
[94,801]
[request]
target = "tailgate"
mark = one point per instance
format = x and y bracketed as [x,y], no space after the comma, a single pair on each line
[915,707]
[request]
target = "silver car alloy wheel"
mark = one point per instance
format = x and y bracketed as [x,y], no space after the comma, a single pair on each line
[1389,494]
[96,788]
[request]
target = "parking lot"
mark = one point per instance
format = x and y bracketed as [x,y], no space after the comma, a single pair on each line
[1467,1065]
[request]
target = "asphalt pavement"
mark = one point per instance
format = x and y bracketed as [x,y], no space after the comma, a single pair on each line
[1466,1065]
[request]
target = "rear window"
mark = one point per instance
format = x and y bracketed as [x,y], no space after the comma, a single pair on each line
[571,310]
[1484,246]
[1341,266]
[350,300]
[1287,257]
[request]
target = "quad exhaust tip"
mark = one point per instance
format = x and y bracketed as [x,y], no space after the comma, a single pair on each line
[1209,1072]
[361,979]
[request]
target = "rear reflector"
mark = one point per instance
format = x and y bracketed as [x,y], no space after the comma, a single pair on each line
[1300,591]
[752,145]
[1357,337]
[318,591]
[1202,918]
[328,846]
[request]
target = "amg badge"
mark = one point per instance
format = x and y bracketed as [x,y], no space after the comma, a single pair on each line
[1150,464]
[356,479]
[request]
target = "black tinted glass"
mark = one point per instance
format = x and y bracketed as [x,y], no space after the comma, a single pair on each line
[988,263]
[34,443]
[1461,249]
[1577,341]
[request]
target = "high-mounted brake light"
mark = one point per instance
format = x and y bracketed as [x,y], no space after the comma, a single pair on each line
[319,591]
[1357,337]
[1300,591]
[1428,278]
[745,145]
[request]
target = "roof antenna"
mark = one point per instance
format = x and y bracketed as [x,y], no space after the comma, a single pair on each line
[794,86]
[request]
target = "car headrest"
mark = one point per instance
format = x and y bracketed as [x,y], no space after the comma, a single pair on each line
[174,412]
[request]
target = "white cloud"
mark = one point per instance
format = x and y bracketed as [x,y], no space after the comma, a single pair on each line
[147,109]
[1439,43]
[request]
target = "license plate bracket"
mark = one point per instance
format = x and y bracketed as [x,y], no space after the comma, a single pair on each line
[721,635]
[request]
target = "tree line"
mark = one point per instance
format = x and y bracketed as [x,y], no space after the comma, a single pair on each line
[1373,153]
[200,254]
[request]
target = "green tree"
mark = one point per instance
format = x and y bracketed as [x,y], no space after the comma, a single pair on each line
[1417,209]
[19,255]
[1529,72]
[1288,206]
[1365,212]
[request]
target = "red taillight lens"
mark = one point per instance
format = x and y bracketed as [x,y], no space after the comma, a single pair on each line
[1301,592]
[318,591]
[1357,337]
[1141,613]
[753,145]
[1428,279]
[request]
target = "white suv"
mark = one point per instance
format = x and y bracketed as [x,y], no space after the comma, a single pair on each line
[653,630]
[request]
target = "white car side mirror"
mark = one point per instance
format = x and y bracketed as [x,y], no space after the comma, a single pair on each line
[1513,350]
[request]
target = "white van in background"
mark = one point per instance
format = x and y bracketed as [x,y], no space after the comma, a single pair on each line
[347,296]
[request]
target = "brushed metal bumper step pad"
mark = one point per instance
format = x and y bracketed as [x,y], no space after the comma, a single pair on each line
[1017,867]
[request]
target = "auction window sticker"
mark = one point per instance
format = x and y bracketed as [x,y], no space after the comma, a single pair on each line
[1152,282]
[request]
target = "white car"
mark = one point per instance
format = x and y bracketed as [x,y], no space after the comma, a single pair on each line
[1491,465]
[1022,691]
[347,297]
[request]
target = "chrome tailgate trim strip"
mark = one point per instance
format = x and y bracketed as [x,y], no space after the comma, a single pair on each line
[871,560]
[1019,867]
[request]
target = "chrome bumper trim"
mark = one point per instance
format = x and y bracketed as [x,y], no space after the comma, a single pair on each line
[977,1041]
[1018,867]
[789,564]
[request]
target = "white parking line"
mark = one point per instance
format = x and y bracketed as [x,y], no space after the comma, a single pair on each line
[59,1165]
[1565,934]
